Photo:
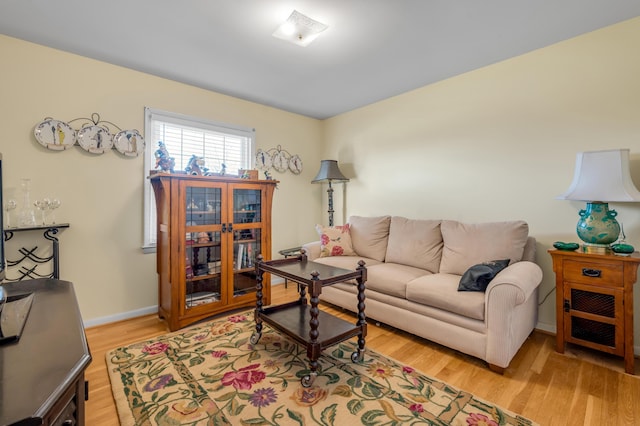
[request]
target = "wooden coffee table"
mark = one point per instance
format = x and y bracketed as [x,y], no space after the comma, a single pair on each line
[304,322]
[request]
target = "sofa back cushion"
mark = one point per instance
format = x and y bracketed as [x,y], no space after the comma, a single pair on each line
[369,236]
[468,244]
[415,242]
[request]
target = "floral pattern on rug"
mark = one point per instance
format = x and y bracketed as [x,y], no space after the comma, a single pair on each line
[210,374]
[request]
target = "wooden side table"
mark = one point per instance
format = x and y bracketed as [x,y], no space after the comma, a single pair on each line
[303,321]
[594,301]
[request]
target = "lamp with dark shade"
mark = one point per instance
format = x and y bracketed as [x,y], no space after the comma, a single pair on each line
[329,172]
[601,177]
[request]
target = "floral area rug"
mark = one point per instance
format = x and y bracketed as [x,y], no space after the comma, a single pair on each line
[210,374]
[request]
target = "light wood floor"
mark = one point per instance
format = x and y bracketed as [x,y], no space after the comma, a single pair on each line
[580,387]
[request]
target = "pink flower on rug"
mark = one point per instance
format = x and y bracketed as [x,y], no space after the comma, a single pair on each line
[155,348]
[407,370]
[219,354]
[263,397]
[477,419]
[237,318]
[416,408]
[307,397]
[244,378]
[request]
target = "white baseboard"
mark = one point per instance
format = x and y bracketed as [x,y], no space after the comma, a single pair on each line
[142,311]
[549,328]
[121,316]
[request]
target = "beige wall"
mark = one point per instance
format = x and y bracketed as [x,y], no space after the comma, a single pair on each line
[499,143]
[102,194]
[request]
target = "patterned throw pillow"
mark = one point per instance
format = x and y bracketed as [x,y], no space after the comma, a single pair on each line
[335,240]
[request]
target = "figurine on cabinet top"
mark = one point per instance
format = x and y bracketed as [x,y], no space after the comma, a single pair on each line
[163,160]
[196,167]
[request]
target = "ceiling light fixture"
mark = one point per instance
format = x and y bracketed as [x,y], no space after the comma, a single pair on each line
[299,29]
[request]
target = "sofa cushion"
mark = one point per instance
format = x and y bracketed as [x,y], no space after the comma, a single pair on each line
[414,242]
[369,236]
[468,244]
[478,277]
[441,291]
[335,240]
[392,278]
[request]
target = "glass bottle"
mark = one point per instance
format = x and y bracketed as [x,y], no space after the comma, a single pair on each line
[26,216]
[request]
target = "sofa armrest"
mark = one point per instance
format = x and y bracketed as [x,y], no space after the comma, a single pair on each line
[524,277]
[511,311]
[312,249]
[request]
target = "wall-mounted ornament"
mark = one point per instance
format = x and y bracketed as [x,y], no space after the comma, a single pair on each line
[54,134]
[278,159]
[94,135]
[95,139]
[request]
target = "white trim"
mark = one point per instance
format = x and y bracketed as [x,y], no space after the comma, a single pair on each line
[142,312]
[121,316]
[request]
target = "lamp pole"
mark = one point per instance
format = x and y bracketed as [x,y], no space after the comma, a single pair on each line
[330,192]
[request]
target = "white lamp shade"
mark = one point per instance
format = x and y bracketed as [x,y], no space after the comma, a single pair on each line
[602,176]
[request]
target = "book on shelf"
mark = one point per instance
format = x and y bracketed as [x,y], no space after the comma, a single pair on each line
[240,256]
[249,263]
[201,298]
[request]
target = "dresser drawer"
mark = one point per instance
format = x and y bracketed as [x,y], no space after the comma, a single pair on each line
[595,273]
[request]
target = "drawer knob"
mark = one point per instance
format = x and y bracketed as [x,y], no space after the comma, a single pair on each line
[593,273]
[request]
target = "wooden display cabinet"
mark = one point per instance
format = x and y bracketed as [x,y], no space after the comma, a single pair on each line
[210,230]
[594,301]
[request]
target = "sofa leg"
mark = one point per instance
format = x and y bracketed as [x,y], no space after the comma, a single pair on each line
[496,369]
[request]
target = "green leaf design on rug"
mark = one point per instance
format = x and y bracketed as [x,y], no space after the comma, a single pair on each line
[210,374]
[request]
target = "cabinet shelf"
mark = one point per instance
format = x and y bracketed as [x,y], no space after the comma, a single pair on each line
[202,277]
[203,245]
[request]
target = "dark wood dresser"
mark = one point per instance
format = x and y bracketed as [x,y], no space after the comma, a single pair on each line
[42,374]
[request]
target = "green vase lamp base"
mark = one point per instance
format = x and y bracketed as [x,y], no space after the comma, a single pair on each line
[598,227]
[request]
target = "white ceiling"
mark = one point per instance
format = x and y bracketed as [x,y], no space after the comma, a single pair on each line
[373,49]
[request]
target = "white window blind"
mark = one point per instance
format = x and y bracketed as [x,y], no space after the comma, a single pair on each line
[185,136]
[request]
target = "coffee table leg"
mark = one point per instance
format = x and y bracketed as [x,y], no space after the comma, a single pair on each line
[255,337]
[362,318]
[313,348]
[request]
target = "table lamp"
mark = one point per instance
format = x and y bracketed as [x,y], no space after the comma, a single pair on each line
[329,172]
[601,177]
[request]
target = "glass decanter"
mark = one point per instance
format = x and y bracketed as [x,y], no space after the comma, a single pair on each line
[26,216]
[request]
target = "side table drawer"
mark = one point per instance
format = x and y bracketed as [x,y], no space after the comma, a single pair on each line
[595,273]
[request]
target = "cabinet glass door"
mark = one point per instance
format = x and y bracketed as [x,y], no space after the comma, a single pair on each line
[247,239]
[203,254]
[203,205]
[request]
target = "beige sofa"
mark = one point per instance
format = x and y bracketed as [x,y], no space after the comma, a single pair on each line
[413,272]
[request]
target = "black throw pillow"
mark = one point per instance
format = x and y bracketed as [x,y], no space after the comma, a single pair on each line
[478,277]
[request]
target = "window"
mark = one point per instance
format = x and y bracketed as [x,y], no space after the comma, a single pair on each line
[184,136]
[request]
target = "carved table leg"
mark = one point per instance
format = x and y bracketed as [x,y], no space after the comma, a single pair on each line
[362,318]
[313,347]
[255,337]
